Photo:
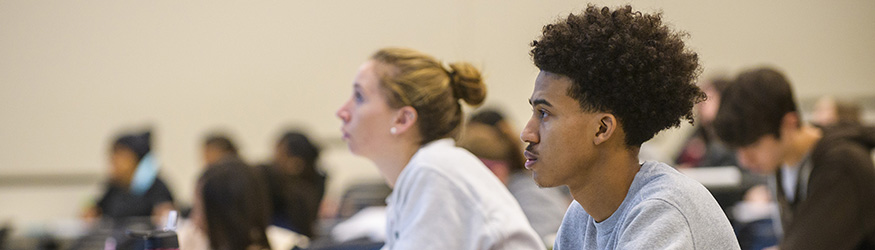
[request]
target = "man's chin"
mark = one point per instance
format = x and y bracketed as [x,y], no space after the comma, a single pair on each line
[543,181]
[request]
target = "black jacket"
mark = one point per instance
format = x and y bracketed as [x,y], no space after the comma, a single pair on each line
[837,210]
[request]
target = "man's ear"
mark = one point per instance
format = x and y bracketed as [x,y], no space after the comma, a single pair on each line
[405,117]
[789,123]
[606,124]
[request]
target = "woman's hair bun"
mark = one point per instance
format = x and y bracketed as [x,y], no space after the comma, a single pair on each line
[467,83]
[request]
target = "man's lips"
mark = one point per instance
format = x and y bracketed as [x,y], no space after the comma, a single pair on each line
[531,158]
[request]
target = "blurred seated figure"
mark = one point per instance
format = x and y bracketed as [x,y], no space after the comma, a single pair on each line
[134,190]
[544,207]
[231,209]
[747,204]
[295,185]
[703,148]
[823,179]
[828,111]
[495,118]
[752,219]
[362,195]
[360,220]
[218,146]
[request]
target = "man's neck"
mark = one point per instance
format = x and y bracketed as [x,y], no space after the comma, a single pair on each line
[603,189]
[801,143]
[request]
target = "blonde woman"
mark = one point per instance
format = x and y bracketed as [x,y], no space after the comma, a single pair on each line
[403,115]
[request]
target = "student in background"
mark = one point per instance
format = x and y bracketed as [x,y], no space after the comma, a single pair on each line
[498,141]
[134,190]
[496,119]
[611,79]
[216,147]
[544,207]
[295,184]
[232,207]
[703,148]
[824,180]
[829,111]
[403,114]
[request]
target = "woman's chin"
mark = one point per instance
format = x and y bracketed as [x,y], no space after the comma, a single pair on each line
[353,149]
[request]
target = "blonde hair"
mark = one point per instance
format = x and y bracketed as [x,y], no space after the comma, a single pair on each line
[412,78]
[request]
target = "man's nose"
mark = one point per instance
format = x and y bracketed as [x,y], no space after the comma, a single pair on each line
[530,133]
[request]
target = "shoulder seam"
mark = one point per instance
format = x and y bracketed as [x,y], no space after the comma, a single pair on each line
[686,220]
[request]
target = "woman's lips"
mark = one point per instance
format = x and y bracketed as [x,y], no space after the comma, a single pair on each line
[345,134]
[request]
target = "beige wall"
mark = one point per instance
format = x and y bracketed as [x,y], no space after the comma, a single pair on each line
[73,73]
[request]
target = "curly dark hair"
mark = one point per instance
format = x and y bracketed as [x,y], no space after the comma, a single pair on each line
[623,62]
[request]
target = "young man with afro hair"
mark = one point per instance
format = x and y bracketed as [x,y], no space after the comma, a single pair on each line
[609,81]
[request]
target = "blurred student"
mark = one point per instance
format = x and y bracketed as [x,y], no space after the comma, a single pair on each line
[703,148]
[496,119]
[543,207]
[829,111]
[403,114]
[231,207]
[217,147]
[502,145]
[824,181]
[610,79]
[134,190]
[295,184]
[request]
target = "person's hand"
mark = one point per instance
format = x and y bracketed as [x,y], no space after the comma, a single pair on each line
[758,194]
[159,213]
[90,215]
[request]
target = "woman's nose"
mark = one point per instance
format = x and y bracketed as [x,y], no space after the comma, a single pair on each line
[342,113]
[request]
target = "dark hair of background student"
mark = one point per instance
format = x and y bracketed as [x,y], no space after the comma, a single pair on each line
[235,206]
[753,106]
[295,184]
[221,142]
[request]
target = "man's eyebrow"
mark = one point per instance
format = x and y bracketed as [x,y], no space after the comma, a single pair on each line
[540,101]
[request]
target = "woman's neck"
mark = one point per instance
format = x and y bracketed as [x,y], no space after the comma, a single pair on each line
[394,159]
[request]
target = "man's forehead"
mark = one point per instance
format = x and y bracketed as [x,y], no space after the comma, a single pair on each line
[550,86]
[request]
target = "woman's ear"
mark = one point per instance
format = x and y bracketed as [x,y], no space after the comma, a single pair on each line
[607,124]
[405,118]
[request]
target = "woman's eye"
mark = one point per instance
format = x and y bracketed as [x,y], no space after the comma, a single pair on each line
[358,97]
